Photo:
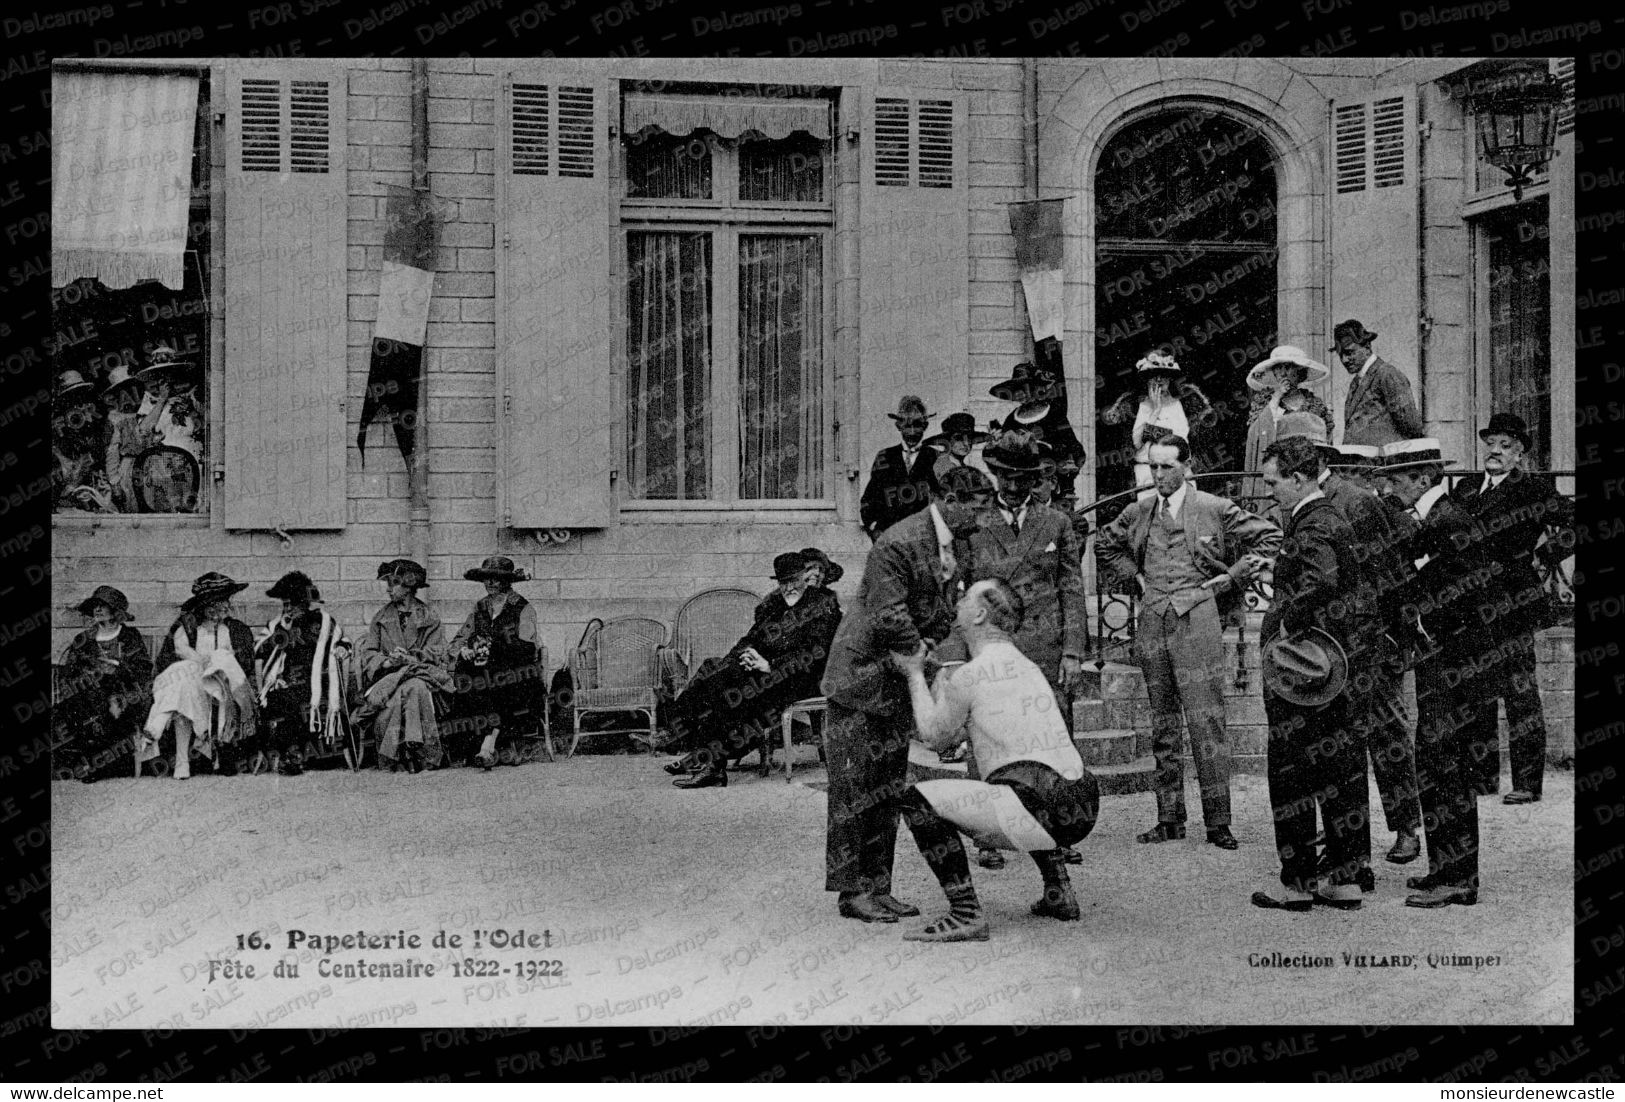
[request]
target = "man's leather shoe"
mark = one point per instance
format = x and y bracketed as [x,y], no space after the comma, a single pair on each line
[1058,903]
[1222,838]
[864,908]
[896,906]
[1162,832]
[1422,883]
[990,859]
[1520,796]
[1407,848]
[1284,900]
[676,768]
[1071,856]
[1345,897]
[1442,895]
[702,780]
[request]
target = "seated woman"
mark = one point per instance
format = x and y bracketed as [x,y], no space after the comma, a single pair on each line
[205,689]
[104,684]
[500,683]
[734,702]
[301,665]
[403,666]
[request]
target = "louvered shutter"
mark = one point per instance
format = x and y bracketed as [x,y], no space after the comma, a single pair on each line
[285,295]
[553,343]
[915,261]
[1374,201]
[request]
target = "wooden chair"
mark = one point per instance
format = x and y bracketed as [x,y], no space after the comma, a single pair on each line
[707,626]
[617,669]
[812,709]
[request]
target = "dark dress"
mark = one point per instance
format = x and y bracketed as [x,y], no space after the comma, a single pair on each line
[508,692]
[100,743]
[284,721]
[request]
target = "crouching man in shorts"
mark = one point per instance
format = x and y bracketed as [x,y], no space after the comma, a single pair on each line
[1036,796]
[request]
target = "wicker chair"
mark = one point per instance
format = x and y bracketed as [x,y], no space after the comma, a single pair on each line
[707,626]
[617,669]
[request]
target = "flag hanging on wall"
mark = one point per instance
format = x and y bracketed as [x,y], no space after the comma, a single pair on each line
[407,280]
[1040,257]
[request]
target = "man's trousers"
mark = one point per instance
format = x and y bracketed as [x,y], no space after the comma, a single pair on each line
[1317,759]
[1182,658]
[1511,678]
[1377,710]
[867,756]
[1445,768]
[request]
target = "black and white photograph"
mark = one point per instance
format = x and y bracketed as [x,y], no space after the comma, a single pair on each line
[813,540]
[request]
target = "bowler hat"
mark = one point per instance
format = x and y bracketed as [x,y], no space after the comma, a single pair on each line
[1286,354]
[1309,669]
[832,569]
[1423,451]
[1508,424]
[1351,330]
[1026,383]
[957,424]
[295,585]
[1013,453]
[115,600]
[791,564]
[213,586]
[497,568]
[910,407]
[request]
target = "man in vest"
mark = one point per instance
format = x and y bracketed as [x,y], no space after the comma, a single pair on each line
[1379,408]
[903,476]
[1188,550]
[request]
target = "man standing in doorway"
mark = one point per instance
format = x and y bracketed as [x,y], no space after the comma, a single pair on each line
[903,476]
[1188,550]
[1379,409]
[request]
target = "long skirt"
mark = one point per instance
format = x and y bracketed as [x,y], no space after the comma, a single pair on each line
[219,704]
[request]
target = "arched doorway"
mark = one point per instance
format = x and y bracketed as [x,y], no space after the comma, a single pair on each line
[1185,256]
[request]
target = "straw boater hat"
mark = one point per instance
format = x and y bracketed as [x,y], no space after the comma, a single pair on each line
[1424,451]
[1359,456]
[956,424]
[70,382]
[791,564]
[116,601]
[832,569]
[161,359]
[1354,331]
[1507,424]
[1286,354]
[295,585]
[119,377]
[910,406]
[1309,669]
[1013,453]
[212,586]
[497,568]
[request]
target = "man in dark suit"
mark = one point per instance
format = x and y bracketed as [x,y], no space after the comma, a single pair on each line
[1379,408]
[1453,585]
[734,701]
[910,582]
[1514,509]
[1188,550]
[1316,754]
[903,477]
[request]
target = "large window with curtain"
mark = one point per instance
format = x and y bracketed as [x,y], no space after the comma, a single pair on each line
[726,219]
[130,218]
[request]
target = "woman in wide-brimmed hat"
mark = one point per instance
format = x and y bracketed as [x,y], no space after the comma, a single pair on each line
[822,571]
[501,684]
[104,679]
[957,439]
[1280,381]
[404,671]
[206,685]
[1161,404]
[300,664]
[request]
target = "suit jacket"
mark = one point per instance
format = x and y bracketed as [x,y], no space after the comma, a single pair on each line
[1381,535]
[1044,565]
[794,640]
[1512,518]
[900,600]
[1218,532]
[1320,582]
[894,490]
[1456,585]
[1380,408]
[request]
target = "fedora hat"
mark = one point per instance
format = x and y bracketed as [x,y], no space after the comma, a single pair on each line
[1308,669]
[161,358]
[957,424]
[115,600]
[394,567]
[1356,455]
[791,564]
[212,586]
[832,569]
[1351,330]
[295,585]
[1508,424]
[1014,453]
[119,377]
[69,382]
[497,568]
[1307,425]
[1026,384]
[910,407]
[1286,354]
[1422,452]
[1158,362]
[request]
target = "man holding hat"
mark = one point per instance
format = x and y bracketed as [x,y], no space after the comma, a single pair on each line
[734,702]
[301,668]
[1379,409]
[403,666]
[1515,509]
[1320,623]
[1452,587]
[903,477]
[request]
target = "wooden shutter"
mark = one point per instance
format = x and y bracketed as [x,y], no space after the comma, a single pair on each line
[914,246]
[1374,200]
[554,369]
[285,303]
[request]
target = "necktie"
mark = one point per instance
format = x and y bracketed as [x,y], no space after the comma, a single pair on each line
[1165,509]
[1015,521]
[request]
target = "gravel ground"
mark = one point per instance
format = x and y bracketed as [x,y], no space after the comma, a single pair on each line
[670,908]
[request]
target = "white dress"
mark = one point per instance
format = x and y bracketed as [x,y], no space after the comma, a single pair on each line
[1170,417]
[200,680]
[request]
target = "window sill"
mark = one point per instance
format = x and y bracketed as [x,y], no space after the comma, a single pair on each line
[1482,202]
[721,512]
[165,521]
